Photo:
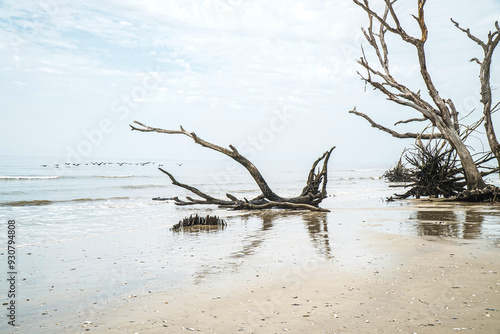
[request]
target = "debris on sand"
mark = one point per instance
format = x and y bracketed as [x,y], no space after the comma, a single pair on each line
[200,221]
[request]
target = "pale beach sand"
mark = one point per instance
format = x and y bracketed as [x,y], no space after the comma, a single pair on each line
[409,267]
[408,284]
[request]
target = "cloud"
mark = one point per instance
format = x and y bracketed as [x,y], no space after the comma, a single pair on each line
[220,63]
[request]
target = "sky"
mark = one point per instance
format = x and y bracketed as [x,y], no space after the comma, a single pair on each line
[274,78]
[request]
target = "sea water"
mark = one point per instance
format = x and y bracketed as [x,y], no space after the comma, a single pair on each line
[54,201]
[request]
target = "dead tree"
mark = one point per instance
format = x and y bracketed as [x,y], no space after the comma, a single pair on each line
[439,111]
[313,193]
[484,75]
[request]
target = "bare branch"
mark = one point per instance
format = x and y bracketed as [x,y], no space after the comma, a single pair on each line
[233,153]
[208,199]
[471,36]
[454,114]
[278,205]
[411,120]
[315,179]
[476,60]
[484,75]
[392,132]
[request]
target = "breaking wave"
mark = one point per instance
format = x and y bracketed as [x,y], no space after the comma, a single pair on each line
[28,177]
[48,202]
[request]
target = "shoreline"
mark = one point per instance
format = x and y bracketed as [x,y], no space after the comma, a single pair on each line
[410,284]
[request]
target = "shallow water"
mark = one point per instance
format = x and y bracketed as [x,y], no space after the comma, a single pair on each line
[88,235]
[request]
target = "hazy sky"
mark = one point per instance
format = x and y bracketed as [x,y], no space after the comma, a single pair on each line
[274,78]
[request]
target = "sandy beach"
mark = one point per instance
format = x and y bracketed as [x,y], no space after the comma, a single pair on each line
[402,284]
[368,266]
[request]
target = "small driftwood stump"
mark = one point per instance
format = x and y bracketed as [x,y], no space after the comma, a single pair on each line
[200,221]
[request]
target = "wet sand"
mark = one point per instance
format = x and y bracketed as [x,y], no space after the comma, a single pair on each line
[407,284]
[368,267]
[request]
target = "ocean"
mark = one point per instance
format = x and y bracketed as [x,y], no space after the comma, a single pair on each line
[90,234]
[54,201]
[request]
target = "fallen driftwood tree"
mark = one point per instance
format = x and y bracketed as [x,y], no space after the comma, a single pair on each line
[200,221]
[311,196]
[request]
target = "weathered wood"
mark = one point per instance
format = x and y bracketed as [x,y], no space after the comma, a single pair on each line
[399,173]
[232,153]
[200,221]
[392,132]
[434,171]
[489,193]
[440,112]
[485,78]
[311,196]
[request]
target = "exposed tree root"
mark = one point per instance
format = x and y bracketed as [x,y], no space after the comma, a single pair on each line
[399,173]
[488,194]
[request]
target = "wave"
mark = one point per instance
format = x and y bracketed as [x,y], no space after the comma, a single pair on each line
[48,202]
[28,177]
[65,177]
[357,178]
[366,170]
[141,186]
[14,192]
[27,203]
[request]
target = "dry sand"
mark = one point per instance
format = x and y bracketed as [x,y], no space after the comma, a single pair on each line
[408,284]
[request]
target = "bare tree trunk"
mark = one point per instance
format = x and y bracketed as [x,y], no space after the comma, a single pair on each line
[484,76]
[473,177]
[312,195]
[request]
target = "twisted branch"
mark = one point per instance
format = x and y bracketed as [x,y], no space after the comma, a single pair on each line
[312,194]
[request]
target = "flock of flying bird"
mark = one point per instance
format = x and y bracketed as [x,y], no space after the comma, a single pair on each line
[68,164]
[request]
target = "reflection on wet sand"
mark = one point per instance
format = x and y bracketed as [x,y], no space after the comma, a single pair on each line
[473,224]
[437,223]
[315,222]
[458,221]
[254,240]
[317,226]
[195,229]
